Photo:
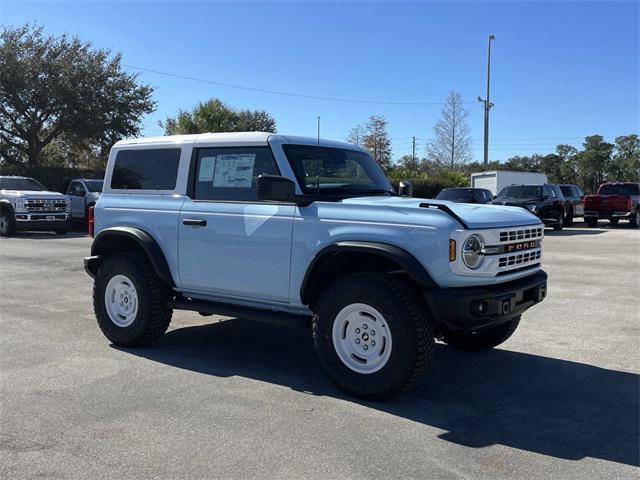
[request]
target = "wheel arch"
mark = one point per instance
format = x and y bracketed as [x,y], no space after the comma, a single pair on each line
[5,206]
[350,256]
[117,239]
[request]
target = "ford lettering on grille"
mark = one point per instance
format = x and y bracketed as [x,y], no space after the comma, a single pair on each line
[515,247]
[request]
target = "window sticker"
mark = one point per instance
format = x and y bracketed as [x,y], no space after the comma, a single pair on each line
[206,169]
[234,170]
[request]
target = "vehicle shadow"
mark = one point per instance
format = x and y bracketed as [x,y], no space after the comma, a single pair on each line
[46,235]
[573,231]
[549,406]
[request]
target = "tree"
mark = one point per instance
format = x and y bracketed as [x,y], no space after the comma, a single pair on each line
[376,141]
[450,148]
[215,116]
[60,86]
[356,135]
[626,160]
[594,161]
[409,163]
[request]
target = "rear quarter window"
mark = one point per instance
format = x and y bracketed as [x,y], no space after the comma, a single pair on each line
[148,169]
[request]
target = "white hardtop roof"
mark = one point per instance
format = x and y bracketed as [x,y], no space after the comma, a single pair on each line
[231,138]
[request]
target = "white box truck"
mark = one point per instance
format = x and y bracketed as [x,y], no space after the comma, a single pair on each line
[498,179]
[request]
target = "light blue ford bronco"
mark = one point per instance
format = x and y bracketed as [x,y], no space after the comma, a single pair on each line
[305,231]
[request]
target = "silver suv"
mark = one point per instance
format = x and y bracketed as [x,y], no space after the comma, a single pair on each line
[25,204]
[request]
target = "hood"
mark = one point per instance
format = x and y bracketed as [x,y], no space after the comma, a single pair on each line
[474,215]
[516,202]
[34,194]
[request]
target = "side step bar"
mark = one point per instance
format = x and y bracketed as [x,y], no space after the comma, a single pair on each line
[245,313]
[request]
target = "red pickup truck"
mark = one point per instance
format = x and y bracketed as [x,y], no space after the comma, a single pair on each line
[614,201]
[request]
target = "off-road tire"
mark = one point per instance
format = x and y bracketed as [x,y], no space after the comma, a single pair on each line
[409,322]
[8,222]
[483,340]
[154,301]
[591,222]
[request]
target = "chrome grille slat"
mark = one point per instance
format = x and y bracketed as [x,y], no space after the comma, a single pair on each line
[45,205]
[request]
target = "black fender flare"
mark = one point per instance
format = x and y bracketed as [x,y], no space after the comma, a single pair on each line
[146,242]
[407,262]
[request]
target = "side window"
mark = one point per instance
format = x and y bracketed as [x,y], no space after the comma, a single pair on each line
[549,192]
[73,189]
[147,169]
[231,173]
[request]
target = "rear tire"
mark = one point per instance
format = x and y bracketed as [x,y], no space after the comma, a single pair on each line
[591,222]
[129,276]
[7,224]
[483,340]
[347,316]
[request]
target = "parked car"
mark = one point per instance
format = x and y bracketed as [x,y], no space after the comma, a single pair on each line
[544,201]
[25,204]
[83,193]
[574,195]
[615,201]
[300,230]
[465,195]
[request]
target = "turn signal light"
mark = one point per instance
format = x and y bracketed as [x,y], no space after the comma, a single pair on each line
[452,250]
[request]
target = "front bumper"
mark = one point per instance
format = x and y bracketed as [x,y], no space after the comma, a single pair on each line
[471,309]
[42,221]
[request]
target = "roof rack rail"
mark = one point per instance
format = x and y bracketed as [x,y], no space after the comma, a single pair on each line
[446,209]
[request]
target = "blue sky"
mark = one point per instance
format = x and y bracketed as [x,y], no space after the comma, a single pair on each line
[560,70]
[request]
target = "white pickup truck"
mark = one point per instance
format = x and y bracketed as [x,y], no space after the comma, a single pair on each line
[26,204]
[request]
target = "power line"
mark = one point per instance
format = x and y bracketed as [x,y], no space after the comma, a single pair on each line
[286,94]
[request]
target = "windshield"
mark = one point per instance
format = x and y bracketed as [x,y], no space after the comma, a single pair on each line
[456,194]
[619,189]
[336,171]
[94,185]
[21,184]
[521,191]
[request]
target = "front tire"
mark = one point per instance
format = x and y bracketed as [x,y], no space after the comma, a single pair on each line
[7,224]
[483,340]
[131,303]
[373,334]
[568,218]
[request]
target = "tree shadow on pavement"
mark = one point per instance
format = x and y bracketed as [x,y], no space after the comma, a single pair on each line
[549,406]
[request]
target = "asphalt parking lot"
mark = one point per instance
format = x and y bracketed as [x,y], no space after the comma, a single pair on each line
[223,398]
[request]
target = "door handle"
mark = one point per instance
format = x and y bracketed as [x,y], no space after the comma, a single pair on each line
[197,222]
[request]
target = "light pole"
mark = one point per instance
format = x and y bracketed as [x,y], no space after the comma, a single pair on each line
[487,104]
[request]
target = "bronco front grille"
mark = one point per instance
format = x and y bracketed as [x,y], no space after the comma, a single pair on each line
[521,234]
[45,205]
[518,259]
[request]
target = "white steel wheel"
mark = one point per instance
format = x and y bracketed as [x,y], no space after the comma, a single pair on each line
[121,300]
[362,338]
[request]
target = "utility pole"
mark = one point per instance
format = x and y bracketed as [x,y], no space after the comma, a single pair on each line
[413,155]
[487,104]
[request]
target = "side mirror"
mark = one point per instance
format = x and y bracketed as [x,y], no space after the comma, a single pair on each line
[405,188]
[276,188]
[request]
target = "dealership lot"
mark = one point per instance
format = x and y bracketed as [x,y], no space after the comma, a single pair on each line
[234,399]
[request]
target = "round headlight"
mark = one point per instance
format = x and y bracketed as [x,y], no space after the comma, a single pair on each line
[472,251]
